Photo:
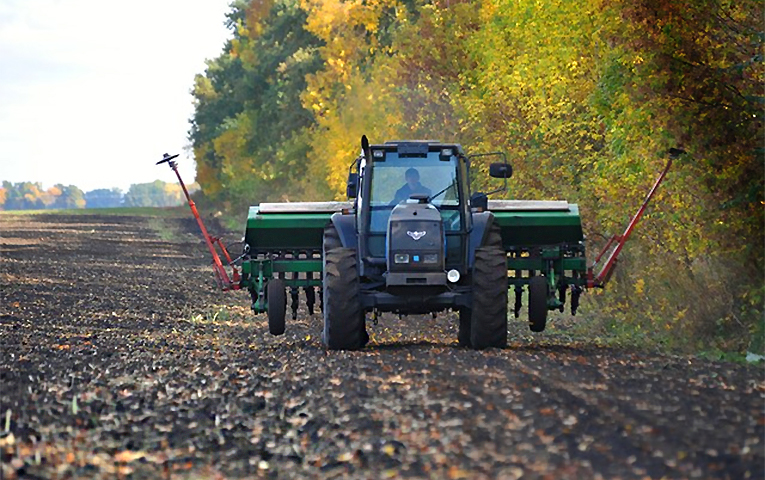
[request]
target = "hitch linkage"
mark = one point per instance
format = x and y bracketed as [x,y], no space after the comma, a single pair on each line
[224,281]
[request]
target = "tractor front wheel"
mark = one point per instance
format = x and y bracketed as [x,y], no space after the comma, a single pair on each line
[276,306]
[344,327]
[538,292]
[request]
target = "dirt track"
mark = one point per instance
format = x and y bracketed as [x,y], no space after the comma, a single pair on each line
[118,359]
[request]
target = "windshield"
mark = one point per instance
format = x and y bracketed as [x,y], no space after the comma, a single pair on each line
[396,178]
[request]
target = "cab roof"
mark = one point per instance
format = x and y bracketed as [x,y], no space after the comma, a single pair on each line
[414,147]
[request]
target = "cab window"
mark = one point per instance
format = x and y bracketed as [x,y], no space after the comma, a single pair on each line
[395,178]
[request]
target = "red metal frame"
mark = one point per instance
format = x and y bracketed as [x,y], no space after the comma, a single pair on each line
[222,278]
[607,270]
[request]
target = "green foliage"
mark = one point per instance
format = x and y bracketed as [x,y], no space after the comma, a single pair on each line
[31,196]
[689,74]
[155,194]
[249,128]
[103,198]
[23,196]
[70,197]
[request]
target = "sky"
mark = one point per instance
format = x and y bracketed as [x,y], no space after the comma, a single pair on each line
[93,92]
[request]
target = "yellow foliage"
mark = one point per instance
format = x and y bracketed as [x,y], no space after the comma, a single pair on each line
[341,130]
[639,286]
[347,29]
[206,172]
[257,13]
[203,88]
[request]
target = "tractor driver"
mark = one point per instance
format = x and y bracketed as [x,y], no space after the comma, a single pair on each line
[411,186]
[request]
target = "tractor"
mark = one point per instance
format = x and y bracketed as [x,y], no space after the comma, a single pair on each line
[414,238]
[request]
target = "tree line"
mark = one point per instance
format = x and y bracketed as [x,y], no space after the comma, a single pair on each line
[32,196]
[585,98]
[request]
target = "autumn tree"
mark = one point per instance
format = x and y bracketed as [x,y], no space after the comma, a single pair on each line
[23,195]
[154,194]
[70,197]
[249,128]
[586,98]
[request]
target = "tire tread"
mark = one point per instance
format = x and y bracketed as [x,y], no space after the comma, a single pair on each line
[488,323]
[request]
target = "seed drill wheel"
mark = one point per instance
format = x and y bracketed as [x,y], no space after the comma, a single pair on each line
[488,317]
[538,292]
[276,299]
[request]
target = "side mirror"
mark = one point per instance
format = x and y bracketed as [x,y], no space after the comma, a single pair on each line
[352,187]
[480,201]
[500,170]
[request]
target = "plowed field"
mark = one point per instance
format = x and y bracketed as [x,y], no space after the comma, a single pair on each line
[118,359]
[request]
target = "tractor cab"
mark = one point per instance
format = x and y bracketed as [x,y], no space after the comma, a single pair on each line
[414,173]
[412,195]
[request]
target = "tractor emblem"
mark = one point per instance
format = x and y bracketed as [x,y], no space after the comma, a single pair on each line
[416,235]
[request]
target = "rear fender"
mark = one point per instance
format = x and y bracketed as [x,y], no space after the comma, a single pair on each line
[346,228]
[481,223]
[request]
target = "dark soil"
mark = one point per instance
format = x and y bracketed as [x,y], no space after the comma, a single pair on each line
[119,359]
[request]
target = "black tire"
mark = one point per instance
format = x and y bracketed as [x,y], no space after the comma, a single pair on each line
[538,292]
[488,322]
[331,239]
[344,327]
[276,306]
[494,239]
[463,335]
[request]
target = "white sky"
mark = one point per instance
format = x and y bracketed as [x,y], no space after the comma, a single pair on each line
[93,92]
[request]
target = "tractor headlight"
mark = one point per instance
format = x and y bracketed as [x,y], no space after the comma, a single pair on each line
[453,276]
[430,258]
[401,258]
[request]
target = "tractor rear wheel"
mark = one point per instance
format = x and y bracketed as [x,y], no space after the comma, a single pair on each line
[538,292]
[488,322]
[276,306]
[344,327]
[331,239]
